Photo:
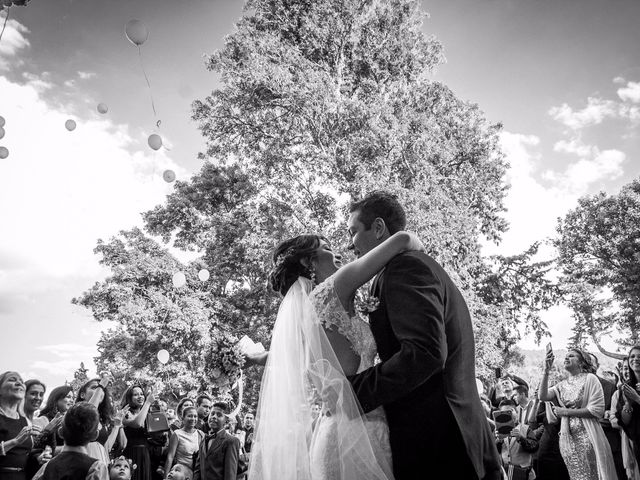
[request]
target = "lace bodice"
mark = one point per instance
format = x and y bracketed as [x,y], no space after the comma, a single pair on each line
[355,329]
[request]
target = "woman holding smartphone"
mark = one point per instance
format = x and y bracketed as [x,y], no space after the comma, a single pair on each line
[580,397]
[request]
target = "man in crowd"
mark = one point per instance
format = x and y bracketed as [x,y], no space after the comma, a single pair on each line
[218,454]
[203,406]
[524,405]
[247,427]
[517,446]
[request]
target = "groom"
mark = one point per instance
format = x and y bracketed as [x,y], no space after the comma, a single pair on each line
[426,381]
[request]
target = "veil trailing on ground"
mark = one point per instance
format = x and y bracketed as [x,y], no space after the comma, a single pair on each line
[300,360]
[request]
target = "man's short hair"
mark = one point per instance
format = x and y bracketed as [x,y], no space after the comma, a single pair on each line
[80,424]
[380,204]
[507,402]
[202,397]
[523,389]
[222,405]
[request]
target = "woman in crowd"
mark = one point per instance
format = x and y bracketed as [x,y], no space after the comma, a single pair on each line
[59,401]
[15,431]
[134,428]
[583,445]
[627,405]
[182,404]
[185,441]
[34,394]
[97,393]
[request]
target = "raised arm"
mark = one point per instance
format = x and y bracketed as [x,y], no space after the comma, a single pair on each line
[173,445]
[355,274]
[137,420]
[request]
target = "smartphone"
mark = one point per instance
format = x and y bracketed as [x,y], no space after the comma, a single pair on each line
[498,373]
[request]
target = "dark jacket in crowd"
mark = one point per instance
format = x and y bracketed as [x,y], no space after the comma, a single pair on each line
[217,457]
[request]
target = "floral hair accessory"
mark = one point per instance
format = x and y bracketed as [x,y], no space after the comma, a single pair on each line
[121,459]
[282,257]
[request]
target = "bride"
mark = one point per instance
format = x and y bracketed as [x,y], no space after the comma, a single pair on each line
[317,341]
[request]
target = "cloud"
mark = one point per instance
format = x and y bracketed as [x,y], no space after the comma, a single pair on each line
[599,109]
[630,93]
[578,176]
[63,368]
[539,196]
[13,40]
[86,75]
[64,190]
[574,146]
[596,111]
[68,350]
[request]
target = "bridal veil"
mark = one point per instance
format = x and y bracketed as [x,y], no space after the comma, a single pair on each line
[300,361]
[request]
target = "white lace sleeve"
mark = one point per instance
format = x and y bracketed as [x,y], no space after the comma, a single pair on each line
[330,311]
[332,314]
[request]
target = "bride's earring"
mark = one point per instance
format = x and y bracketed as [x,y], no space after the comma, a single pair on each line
[312,273]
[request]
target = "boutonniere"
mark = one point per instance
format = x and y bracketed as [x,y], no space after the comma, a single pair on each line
[366,303]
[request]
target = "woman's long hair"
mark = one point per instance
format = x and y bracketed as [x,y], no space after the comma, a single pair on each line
[287,265]
[105,409]
[587,364]
[128,395]
[51,408]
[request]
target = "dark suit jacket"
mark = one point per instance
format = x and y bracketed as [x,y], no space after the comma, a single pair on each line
[219,459]
[426,380]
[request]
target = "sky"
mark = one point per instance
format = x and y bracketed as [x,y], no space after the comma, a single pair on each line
[563,77]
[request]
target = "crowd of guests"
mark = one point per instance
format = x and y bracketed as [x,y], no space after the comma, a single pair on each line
[586,426]
[583,426]
[86,435]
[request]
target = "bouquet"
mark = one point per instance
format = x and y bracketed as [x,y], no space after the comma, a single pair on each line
[223,361]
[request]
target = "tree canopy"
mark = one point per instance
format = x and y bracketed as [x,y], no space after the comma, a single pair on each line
[320,101]
[599,251]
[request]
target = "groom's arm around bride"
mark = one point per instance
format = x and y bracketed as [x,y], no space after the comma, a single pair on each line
[426,381]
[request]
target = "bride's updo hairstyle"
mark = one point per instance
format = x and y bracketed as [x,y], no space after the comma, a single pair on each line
[287,265]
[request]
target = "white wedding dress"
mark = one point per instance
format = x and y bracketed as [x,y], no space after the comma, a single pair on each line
[345,445]
[324,450]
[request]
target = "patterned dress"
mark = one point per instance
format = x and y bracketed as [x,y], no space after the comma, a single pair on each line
[324,449]
[578,451]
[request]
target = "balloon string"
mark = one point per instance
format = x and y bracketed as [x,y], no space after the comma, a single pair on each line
[236,411]
[149,86]
[5,22]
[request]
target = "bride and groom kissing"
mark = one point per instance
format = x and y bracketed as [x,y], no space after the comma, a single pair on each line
[413,414]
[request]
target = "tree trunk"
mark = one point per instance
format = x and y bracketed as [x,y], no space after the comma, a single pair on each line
[617,356]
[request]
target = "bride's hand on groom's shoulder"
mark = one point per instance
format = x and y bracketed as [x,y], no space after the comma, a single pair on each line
[413,242]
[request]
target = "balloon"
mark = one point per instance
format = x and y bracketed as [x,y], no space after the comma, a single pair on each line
[1,121]
[102,108]
[203,274]
[179,279]
[70,125]
[155,141]
[163,356]
[1,133]
[136,31]
[4,152]
[168,175]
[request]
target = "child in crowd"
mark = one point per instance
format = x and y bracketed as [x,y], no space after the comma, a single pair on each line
[80,426]
[121,468]
[180,472]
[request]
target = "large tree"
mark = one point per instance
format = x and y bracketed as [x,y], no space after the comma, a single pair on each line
[320,101]
[599,251]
